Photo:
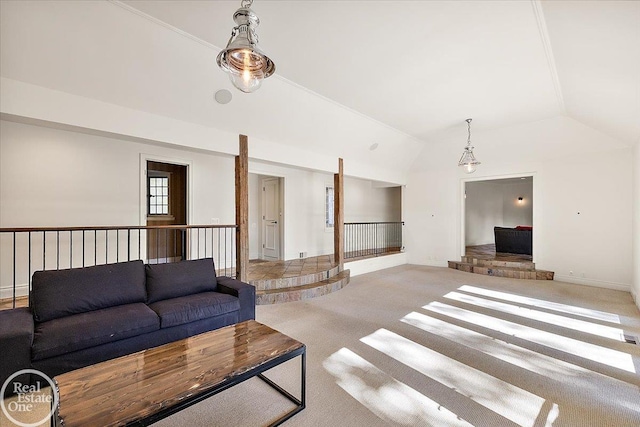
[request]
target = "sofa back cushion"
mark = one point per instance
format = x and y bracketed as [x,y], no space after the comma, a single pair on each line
[59,293]
[178,279]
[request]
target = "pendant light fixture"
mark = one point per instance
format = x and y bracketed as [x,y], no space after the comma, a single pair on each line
[246,64]
[468,160]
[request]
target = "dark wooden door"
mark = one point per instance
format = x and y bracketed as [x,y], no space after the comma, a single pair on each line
[166,205]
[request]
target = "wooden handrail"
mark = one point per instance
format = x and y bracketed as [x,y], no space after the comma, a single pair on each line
[114,227]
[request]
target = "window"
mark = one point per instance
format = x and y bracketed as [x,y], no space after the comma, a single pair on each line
[328,207]
[158,194]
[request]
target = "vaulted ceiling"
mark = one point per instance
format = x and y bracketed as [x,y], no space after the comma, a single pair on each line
[403,74]
[424,66]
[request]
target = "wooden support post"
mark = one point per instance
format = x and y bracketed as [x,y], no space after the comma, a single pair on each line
[242,209]
[338,216]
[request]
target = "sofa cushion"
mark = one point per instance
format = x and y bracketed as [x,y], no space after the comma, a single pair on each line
[59,293]
[172,280]
[187,309]
[85,330]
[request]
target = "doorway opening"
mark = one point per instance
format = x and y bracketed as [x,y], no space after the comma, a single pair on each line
[166,204]
[266,217]
[498,218]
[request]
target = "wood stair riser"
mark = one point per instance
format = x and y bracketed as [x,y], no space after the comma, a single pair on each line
[292,282]
[303,292]
[523,265]
[502,271]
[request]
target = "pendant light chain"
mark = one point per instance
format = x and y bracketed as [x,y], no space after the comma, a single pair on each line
[468,160]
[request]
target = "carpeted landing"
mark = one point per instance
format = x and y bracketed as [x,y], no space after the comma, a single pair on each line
[424,346]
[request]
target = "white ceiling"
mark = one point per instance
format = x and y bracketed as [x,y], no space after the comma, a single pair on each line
[350,74]
[422,67]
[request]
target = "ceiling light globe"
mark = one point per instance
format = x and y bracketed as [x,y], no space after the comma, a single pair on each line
[245,83]
[245,63]
[246,67]
[469,168]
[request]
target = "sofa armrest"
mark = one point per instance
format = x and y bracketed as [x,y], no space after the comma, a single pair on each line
[16,337]
[244,291]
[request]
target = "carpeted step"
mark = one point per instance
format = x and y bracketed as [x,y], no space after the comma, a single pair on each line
[302,292]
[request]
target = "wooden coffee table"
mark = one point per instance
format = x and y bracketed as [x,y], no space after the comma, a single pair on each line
[144,387]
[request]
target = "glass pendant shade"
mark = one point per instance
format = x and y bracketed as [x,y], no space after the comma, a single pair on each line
[468,160]
[245,63]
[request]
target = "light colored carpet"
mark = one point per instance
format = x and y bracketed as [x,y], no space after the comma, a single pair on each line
[425,346]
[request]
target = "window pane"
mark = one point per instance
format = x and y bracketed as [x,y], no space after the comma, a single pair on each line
[158,195]
[329,206]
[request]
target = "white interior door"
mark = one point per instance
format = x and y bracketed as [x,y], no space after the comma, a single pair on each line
[270,218]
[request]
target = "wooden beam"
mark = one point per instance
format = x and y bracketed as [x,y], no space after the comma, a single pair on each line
[338,215]
[242,209]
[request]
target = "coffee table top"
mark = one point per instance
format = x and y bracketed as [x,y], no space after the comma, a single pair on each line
[141,384]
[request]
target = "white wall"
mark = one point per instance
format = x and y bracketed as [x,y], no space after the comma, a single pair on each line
[636,224]
[484,210]
[63,62]
[515,212]
[304,206]
[582,192]
[254,216]
[495,203]
[366,202]
[52,177]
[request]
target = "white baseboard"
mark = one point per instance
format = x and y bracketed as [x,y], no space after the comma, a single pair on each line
[369,265]
[634,295]
[592,282]
[22,290]
[437,264]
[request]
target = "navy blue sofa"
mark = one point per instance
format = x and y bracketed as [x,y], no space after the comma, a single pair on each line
[81,316]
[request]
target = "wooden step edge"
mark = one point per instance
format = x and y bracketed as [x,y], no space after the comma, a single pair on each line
[508,272]
[294,281]
[499,263]
[313,290]
[339,276]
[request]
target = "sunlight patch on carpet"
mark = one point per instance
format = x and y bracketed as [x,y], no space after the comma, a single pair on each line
[564,308]
[541,316]
[503,398]
[385,396]
[534,362]
[605,356]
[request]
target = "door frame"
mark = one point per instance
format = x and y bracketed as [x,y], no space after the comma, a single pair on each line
[146,157]
[462,205]
[283,213]
[263,238]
